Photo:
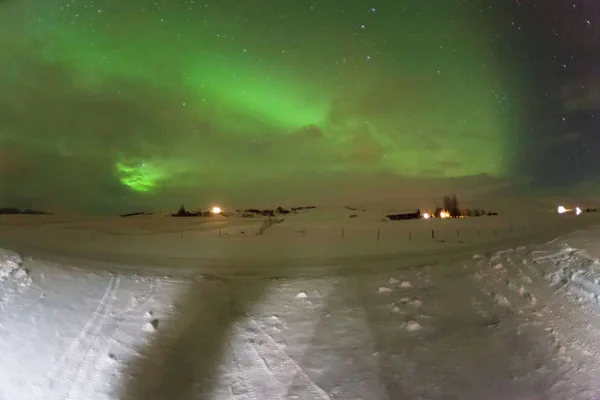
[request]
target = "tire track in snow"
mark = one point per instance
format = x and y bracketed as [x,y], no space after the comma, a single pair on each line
[61,368]
[93,354]
[240,358]
[145,298]
[558,269]
[282,366]
[89,352]
[261,372]
[543,285]
[92,367]
[266,371]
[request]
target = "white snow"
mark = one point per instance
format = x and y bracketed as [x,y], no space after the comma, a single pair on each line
[151,326]
[146,308]
[413,326]
[9,265]
[416,303]
[501,300]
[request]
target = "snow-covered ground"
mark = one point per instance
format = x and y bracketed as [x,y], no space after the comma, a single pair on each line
[164,309]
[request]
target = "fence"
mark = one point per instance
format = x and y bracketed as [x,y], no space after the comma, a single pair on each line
[266,224]
[451,230]
[407,234]
[439,233]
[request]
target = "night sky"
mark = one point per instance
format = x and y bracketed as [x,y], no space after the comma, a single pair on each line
[111,105]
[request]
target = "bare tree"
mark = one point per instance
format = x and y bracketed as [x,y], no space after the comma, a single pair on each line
[451,205]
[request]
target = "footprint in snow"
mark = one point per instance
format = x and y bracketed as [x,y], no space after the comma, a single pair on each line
[526,279]
[416,303]
[151,326]
[413,302]
[478,275]
[413,326]
[512,285]
[501,300]
[528,296]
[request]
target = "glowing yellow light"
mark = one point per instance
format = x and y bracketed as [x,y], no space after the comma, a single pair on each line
[216,210]
[578,211]
[561,210]
[444,214]
[426,216]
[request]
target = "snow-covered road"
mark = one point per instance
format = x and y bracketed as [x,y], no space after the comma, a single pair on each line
[520,324]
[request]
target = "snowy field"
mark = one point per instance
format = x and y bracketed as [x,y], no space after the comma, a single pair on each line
[161,308]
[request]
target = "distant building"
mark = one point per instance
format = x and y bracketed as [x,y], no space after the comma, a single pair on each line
[405,215]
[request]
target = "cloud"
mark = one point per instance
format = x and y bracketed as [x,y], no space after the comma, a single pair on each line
[62,183]
[60,141]
[374,97]
[62,137]
[338,189]
[366,149]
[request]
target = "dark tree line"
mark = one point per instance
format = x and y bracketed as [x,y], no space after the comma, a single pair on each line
[451,205]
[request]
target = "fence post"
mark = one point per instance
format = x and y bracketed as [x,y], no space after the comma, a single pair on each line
[432,234]
[378,235]
[458,233]
[342,233]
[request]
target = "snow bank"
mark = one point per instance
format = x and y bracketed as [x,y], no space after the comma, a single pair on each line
[570,269]
[10,266]
[13,276]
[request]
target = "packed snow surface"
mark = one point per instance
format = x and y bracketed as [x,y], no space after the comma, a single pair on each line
[519,322]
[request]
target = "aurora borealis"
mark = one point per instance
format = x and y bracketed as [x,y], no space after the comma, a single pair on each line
[117,103]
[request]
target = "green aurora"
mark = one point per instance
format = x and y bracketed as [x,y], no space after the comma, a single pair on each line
[240,93]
